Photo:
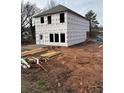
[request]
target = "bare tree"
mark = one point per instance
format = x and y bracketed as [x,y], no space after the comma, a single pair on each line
[50,4]
[27,11]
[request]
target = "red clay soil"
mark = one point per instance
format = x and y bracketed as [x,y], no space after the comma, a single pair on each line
[78,70]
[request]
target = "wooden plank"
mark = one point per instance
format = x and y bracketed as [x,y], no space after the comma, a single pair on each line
[33,51]
[50,54]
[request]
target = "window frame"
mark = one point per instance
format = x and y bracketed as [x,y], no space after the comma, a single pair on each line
[42,20]
[49,19]
[62,17]
[41,37]
[51,40]
[62,40]
[56,37]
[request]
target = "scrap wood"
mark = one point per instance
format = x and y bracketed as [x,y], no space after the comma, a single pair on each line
[45,59]
[50,54]
[37,60]
[42,67]
[100,46]
[33,51]
[32,59]
[24,64]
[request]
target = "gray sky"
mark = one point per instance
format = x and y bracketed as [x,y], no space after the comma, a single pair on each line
[79,6]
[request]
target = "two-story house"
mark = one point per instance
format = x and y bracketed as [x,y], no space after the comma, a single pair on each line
[60,26]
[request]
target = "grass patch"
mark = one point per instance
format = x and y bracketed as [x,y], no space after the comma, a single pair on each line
[40,85]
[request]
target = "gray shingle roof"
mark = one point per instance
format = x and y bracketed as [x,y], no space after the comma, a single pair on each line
[57,9]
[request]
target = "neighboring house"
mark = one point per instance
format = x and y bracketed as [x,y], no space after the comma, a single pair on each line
[60,26]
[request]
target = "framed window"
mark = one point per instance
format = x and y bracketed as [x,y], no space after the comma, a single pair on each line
[49,19]
[62,36]
[42,19]
[56,37]
[41,37]
[51,38]
[62,18]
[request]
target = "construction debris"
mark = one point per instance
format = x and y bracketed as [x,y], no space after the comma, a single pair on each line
[33,51]
[34,60]
[50,54]
[29,58]
[38,63]
[24,64]
[100,46]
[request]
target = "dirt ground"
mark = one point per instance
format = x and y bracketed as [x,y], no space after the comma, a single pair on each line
[79,69]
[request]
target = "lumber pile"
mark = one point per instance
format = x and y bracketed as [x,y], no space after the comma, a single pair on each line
[32,52]
[50,54]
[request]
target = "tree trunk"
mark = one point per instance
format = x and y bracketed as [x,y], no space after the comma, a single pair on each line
[32,28]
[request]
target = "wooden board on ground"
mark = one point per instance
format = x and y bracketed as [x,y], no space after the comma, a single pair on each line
[50,54]
[33,51]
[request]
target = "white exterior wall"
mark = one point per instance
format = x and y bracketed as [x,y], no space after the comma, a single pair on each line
[55,27]
[77,28]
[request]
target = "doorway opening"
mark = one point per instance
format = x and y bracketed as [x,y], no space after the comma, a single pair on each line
[62,35]
[51,38]
[56,37]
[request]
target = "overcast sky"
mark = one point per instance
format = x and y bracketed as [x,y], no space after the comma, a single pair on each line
[79,6]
